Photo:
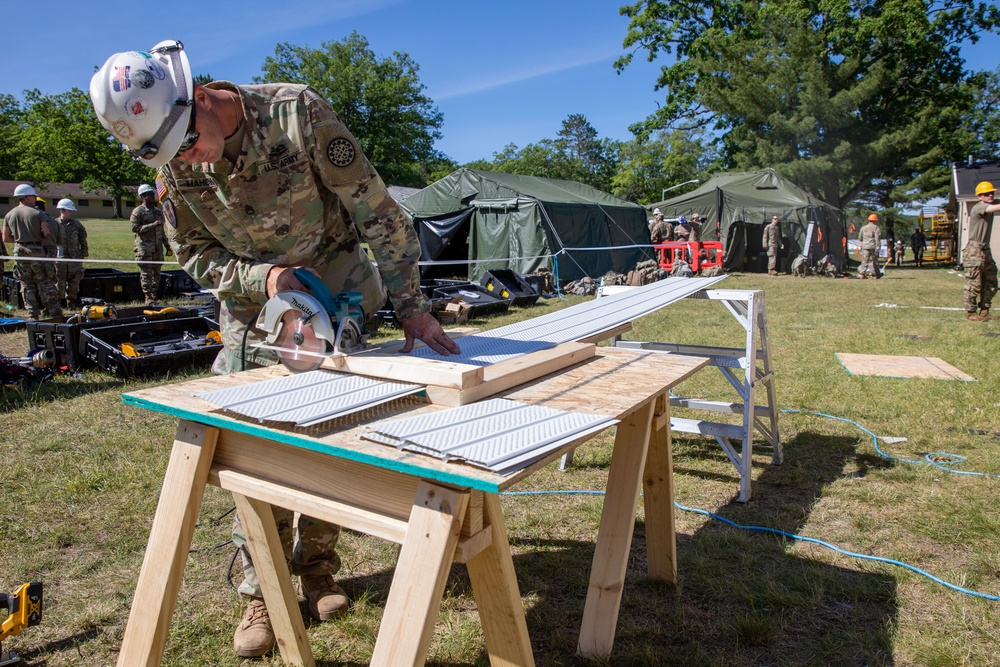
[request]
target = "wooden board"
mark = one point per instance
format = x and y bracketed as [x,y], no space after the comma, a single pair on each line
[901,367]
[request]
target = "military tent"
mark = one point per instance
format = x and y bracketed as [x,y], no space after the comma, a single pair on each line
[524,223]
[737,205]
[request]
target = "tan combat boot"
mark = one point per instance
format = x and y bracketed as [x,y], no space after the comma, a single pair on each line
[984,315]
[326,599]
[973,317]
[254,635]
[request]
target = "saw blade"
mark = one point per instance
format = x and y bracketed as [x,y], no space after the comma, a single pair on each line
[300,349]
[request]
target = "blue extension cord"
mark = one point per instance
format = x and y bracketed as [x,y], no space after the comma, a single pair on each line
[953,459]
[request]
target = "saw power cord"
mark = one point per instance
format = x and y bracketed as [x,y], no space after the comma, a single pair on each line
[937,459]
[929,459]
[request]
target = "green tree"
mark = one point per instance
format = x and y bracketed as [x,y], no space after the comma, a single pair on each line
[63,142]
[663,160]
[578,154]
[11,124]
[835,95]
[381,100]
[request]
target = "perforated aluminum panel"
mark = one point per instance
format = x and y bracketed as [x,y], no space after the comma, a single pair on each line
[580,321]
[307,398]
[498,434]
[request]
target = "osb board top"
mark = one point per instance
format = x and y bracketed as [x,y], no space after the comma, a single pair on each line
[614,382]
[901,367]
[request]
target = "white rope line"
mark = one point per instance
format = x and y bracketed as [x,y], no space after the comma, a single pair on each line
[20,258]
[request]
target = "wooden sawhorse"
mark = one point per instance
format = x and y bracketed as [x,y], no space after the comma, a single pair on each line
[439,512]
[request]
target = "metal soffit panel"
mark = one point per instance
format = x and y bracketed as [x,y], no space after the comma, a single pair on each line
[307,398]
[583,320]
[498,434]
[485,350]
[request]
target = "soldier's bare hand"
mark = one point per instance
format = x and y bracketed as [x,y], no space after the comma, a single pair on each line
[282,279]
[427,329]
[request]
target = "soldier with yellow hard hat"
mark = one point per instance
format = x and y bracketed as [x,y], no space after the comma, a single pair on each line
[977,258]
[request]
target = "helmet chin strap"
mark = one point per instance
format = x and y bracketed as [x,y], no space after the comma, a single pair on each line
[151,148]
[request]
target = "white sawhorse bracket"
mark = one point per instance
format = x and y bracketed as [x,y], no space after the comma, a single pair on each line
[747,369]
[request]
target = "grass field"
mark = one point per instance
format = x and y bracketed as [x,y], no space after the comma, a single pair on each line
[80,475]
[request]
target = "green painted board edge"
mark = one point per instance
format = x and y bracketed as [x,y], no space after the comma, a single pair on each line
[296,441]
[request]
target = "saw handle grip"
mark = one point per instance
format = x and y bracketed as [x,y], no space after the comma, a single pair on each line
[318,288]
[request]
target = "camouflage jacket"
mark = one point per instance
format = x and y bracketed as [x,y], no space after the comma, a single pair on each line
[301,193]
[772,237]
[74,239]
[870,237]
[149,236]
[661,232]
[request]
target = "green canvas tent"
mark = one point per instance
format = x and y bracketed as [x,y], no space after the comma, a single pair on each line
[524,223]
[739,204]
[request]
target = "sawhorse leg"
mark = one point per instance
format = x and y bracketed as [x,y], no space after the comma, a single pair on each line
[167,550]
[658,498]
[494,585]
[275,580]
[614,538]
[421,573]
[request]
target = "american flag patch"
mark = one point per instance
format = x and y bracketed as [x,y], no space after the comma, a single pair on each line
[161,188]
[121,82]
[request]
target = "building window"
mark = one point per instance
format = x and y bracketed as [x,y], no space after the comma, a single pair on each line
[4,200]
[83,202]
[130,204]
[107,203]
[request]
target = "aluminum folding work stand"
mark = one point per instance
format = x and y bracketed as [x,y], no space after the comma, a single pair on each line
[748,369]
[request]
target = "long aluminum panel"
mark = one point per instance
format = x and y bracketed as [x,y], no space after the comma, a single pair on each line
[583,320]
[307,398]
[498,434]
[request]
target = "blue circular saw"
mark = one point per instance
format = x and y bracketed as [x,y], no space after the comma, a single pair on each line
[304,328]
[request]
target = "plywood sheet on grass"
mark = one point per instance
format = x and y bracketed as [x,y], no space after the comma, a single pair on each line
[901,367]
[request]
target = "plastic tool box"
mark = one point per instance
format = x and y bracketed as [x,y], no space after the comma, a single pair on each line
[508,285]
[481,301]
[159,347]
[62,336]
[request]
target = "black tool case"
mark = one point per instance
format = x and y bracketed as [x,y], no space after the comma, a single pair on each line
[62,336]
[508,285]
[482,302]
[111,285]
[178,342]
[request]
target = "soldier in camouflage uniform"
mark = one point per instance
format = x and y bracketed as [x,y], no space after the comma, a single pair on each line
[29,231]
[977,258]
[74,237]
[55,251]
[260,180]
[870,238]
[150,241]
[772,244]
[660,231]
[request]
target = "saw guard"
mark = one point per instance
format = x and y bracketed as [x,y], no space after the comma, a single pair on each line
[308,308]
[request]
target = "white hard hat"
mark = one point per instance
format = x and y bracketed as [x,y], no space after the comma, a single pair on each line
[66,204]
[145,99]
[144,188]
[24,190]
[656,211]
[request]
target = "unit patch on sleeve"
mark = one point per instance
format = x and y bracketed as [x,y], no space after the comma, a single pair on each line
[169,213]
[341,152]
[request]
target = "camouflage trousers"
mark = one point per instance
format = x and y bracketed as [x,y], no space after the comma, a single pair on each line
[38,283]
[980,278]
[868,259]
[310,547]
[772,260]
[149,274]
[70,275]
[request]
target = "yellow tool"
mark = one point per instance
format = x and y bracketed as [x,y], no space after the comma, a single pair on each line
[99,312]
[25,607]
[185,342]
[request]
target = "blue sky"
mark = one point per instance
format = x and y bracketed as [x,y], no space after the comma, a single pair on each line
[505,72]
